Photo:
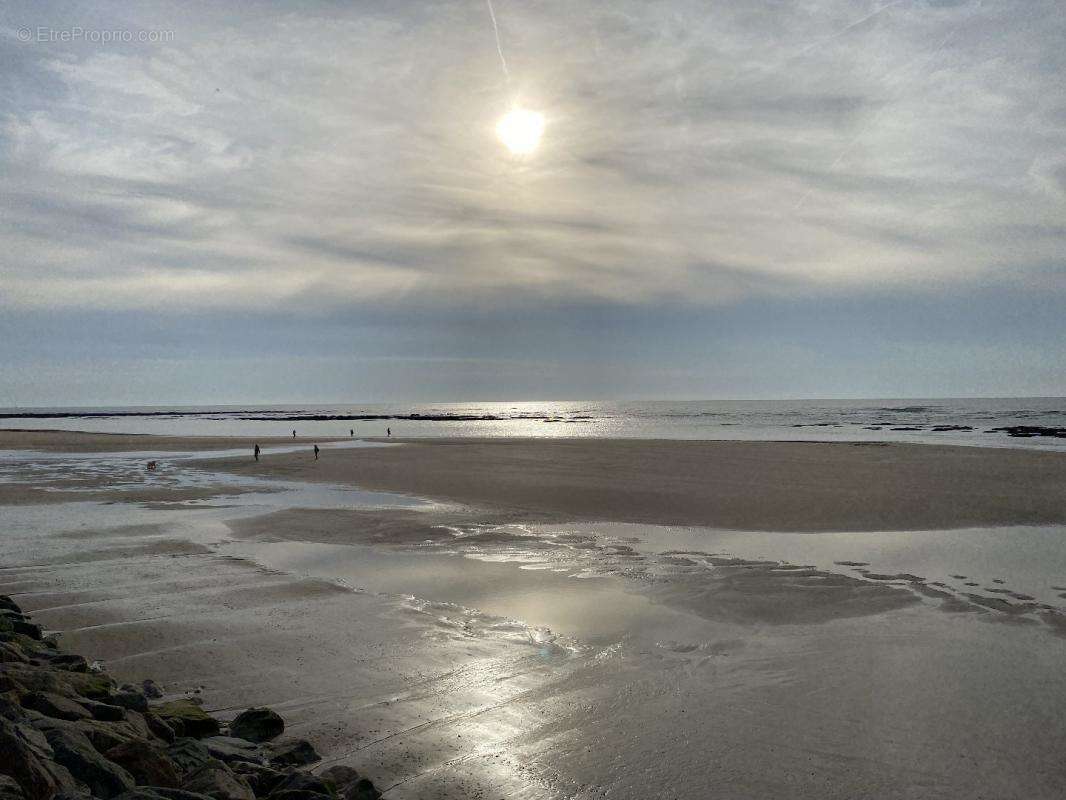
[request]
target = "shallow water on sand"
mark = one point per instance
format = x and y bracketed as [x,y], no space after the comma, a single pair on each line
[574,661]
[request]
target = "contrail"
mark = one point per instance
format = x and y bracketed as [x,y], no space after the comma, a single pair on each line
[499,47]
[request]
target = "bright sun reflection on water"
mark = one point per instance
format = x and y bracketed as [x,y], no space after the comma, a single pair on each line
[520,130]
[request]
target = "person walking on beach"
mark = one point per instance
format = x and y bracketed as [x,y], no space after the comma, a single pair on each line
[294,433]
[352,433]
[257,452]
[388,432]
[316,452]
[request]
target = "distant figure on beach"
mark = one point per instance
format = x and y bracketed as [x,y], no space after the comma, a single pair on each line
[151,466]
[352,432]
[388,431]
[257,452]
[316,452]
[294,433]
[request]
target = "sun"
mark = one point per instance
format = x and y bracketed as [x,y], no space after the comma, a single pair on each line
[520,130]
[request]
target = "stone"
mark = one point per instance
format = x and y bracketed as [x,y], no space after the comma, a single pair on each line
[94,685]
[7,603]
[147,762]
[349,784]
[291,753]
[54,705]
[105,712]
[159,727]
[160,793]
[74,752]
[229,749]
[362,789]
[101,735]
[186,718]
[10,789]
[340,776]
[11,652]
[257,725]
[261,778]
[28,760]
[132,701]
[302,782]
[151,689]
[31,629]
[188,754]
[216,780]
[298,794]
[68,662]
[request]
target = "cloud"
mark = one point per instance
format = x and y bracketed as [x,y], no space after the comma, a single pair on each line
[694,154]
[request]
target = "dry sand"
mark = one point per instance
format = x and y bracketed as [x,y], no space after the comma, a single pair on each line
[794,486]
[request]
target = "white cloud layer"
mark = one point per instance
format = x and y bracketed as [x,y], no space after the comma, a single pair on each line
[697,152]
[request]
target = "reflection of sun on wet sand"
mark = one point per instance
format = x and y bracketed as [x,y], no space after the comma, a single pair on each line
[510,644]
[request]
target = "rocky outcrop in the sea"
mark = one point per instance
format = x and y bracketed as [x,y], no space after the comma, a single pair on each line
[67,732]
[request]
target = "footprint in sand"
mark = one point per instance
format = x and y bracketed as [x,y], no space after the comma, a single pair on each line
[997,580]
[972,583]
[959,577]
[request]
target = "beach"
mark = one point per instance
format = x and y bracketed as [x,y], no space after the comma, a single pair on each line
[571,618]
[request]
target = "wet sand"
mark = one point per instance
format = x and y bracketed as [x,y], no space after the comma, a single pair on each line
[471,650]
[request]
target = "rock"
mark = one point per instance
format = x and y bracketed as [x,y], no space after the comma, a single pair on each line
[54,705]
[35,679]
[10,707]
[10,789]
[101,735]
[27,757]
[11,652]
[348,783]
[291,753]
[362,789]
[339,776]
[229,749]
[152,690]
[188,754]
[159,727]
[301,782]
[65,661]
[160,793]
[147,762]
[138,723]
[133,701]
[262,779]
[105,712]
[74,752]
[94,685]
[28,760]
[186,718]
[298,794]
[216,780]
[7,603]
[31,629]
[257,725]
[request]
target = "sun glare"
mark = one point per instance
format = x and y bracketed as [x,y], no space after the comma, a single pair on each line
[520,130]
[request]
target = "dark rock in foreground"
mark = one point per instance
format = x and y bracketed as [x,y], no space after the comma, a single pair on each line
[257,725]
[66,733]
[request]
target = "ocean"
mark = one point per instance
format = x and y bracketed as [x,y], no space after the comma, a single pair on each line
[997,422]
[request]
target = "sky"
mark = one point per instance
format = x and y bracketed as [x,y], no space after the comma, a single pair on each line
[309,202]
